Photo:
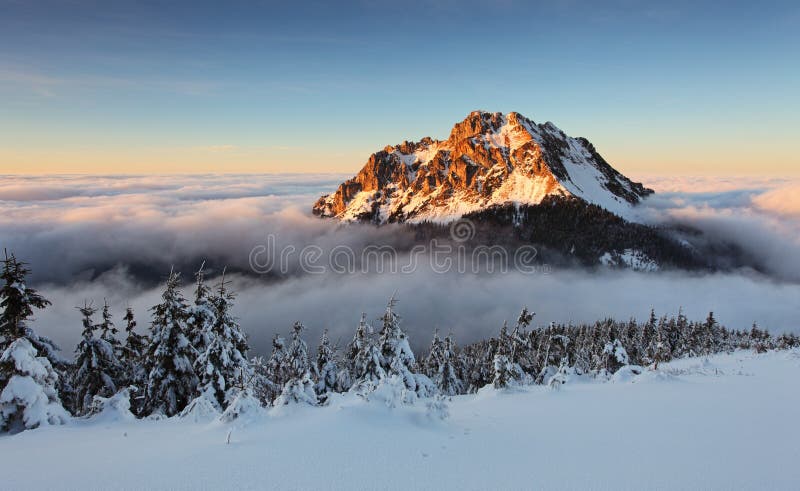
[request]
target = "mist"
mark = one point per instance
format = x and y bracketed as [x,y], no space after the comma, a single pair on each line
[92,238]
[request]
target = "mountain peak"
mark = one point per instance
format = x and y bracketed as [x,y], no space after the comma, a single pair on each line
[490,158]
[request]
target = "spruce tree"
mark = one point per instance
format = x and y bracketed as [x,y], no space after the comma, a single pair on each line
[709,335]
[299,388]
[17,303]
[224,362]
[396,355]
[367,371]
[433,361]
[201,314]
[133,353]
[108,331]
[278,363]
[505,371]
[646,343]
[171,379]
[264,389]
[660,347]
[28,389]
[327,370]
[614,356]
[518,336]
[97,367]
[446,376]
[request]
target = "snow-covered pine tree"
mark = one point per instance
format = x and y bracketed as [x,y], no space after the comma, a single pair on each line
[561,376]
[356,345]
[133,352]
[278,363]
[367,371]
[582,352]
[709,335]
[396,355]
[435,356]
[327,370]
[17,302]
[108,331]
[28,394]
[519,337]
[758,339]
[171,379]
[614,356]
[682,335]
[299,387]
[201,314]
[263,387]
[631,335]
[660,347]
[97,367]
[446,376]
[224,361]
[505,371]
[479,364]
[646,345]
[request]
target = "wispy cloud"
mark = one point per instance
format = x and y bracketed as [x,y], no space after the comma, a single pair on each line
[44,84]
[217,148]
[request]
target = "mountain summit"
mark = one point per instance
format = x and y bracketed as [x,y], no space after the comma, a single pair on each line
[489,159]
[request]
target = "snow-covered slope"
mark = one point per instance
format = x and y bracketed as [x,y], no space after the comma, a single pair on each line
[489,159]
[726,423]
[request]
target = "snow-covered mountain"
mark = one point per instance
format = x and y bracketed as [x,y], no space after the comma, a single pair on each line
[489,159]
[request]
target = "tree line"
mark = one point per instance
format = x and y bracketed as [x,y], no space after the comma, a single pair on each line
[194,358]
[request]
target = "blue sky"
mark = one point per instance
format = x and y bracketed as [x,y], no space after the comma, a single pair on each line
[702,87]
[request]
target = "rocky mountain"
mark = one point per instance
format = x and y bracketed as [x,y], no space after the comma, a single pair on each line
[489,160]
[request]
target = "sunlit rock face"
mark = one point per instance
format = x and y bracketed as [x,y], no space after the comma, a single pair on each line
[489,159]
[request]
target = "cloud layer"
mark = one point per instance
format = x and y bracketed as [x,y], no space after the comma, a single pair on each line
[92,237]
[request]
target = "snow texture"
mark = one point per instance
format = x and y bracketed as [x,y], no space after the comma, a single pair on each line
[724,423]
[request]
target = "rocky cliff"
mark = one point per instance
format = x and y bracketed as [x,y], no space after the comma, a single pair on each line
[489,159]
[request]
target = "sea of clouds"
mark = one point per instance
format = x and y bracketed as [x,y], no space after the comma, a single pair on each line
[101,238]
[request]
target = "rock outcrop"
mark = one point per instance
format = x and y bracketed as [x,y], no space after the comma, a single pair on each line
[489,159]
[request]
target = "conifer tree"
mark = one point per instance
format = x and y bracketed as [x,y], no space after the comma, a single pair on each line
[133,352]
[97,367]
[660,347]
[506,372]
[201,314]
[50,377]
[28,393]
[17,302]
[367,370]
[171,379]
[614,356]
[435,356]
[327,371]
[278,364]
[646,343]
[582,356]
[224,361]
[299,388]
[446,376]
[357,344]
[709,335]
[518,337]
[758,339]
[108,331]
[264,389]
[397,358]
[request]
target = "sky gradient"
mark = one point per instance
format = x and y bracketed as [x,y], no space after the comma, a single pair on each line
[112,87]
